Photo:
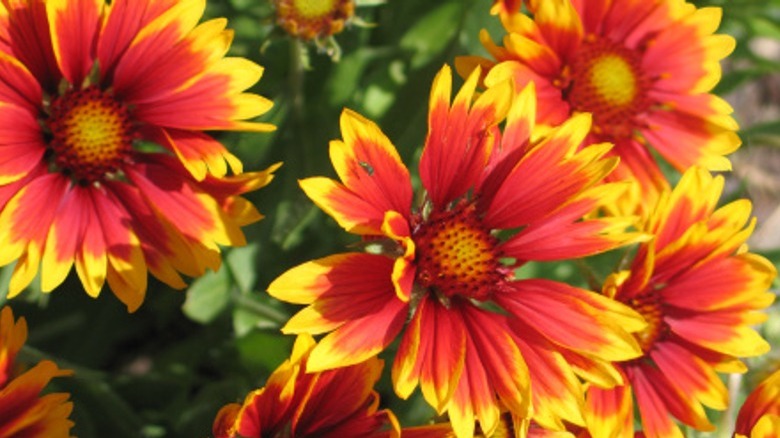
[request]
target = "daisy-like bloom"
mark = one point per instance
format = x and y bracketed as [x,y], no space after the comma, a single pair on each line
[700,291]
[103,160]
[336,403]
[477,339]
[643,69]
[23,411]
[759,416]
[310,19]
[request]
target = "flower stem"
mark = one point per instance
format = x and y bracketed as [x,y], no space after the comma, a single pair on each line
[261,309]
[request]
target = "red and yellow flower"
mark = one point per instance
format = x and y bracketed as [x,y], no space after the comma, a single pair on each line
[477,339]
[103,160]
[701,292]
[759,416]
[23,411]
[644,69]
[336,403]
[310,19]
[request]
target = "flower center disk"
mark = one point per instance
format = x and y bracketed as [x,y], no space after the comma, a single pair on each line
[313,8]
[607,81]
[648,304]
[456,255]
[308,19]
[91,134]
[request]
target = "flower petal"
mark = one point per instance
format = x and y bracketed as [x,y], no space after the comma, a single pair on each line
[690,375]
[24,224]
[33,414]
[609,413]
[651,386]
[727,332]
[124,19]
[656,418]
[163,56]
[213,100]
[553,168]
[442,351]
[21,143]
[459,138]
[369,165]
[200,153]
[28,28]
[346,293]
[361,337]
[564,316]
[74,26]
[556,392]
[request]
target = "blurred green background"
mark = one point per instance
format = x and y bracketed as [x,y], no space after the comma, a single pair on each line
[168,368]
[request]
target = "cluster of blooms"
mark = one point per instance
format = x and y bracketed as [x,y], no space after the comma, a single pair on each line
[545,153]
[104,163]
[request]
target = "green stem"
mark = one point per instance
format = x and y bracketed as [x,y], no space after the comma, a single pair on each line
[296,77]
[593,283]
[728,418]
[261,309]
[32,355]
[298,155]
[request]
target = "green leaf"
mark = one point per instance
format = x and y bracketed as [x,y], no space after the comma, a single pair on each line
[241,262]
[99,410]
[244,321]
[263,350]
[765,128]
[292,217]
[765,27]
[253,311]
[429,37]
[208,296]
[346,75]
[5,278]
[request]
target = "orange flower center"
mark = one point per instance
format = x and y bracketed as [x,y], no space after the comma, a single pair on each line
[456,255]
[648,304]
[607,81]
[92,133]
[307,19]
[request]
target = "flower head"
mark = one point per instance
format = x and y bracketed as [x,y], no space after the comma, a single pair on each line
[294,403]
[23,411]
[103,160]
[701,292]
[309,19]
[643,69]
[477,339]
[759,416]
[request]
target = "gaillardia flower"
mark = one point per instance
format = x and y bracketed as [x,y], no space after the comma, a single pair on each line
[643,69]
[336,403]
[23,411]
[103,160]
[759,416]
[310,19]
[700,291]
[477,339]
